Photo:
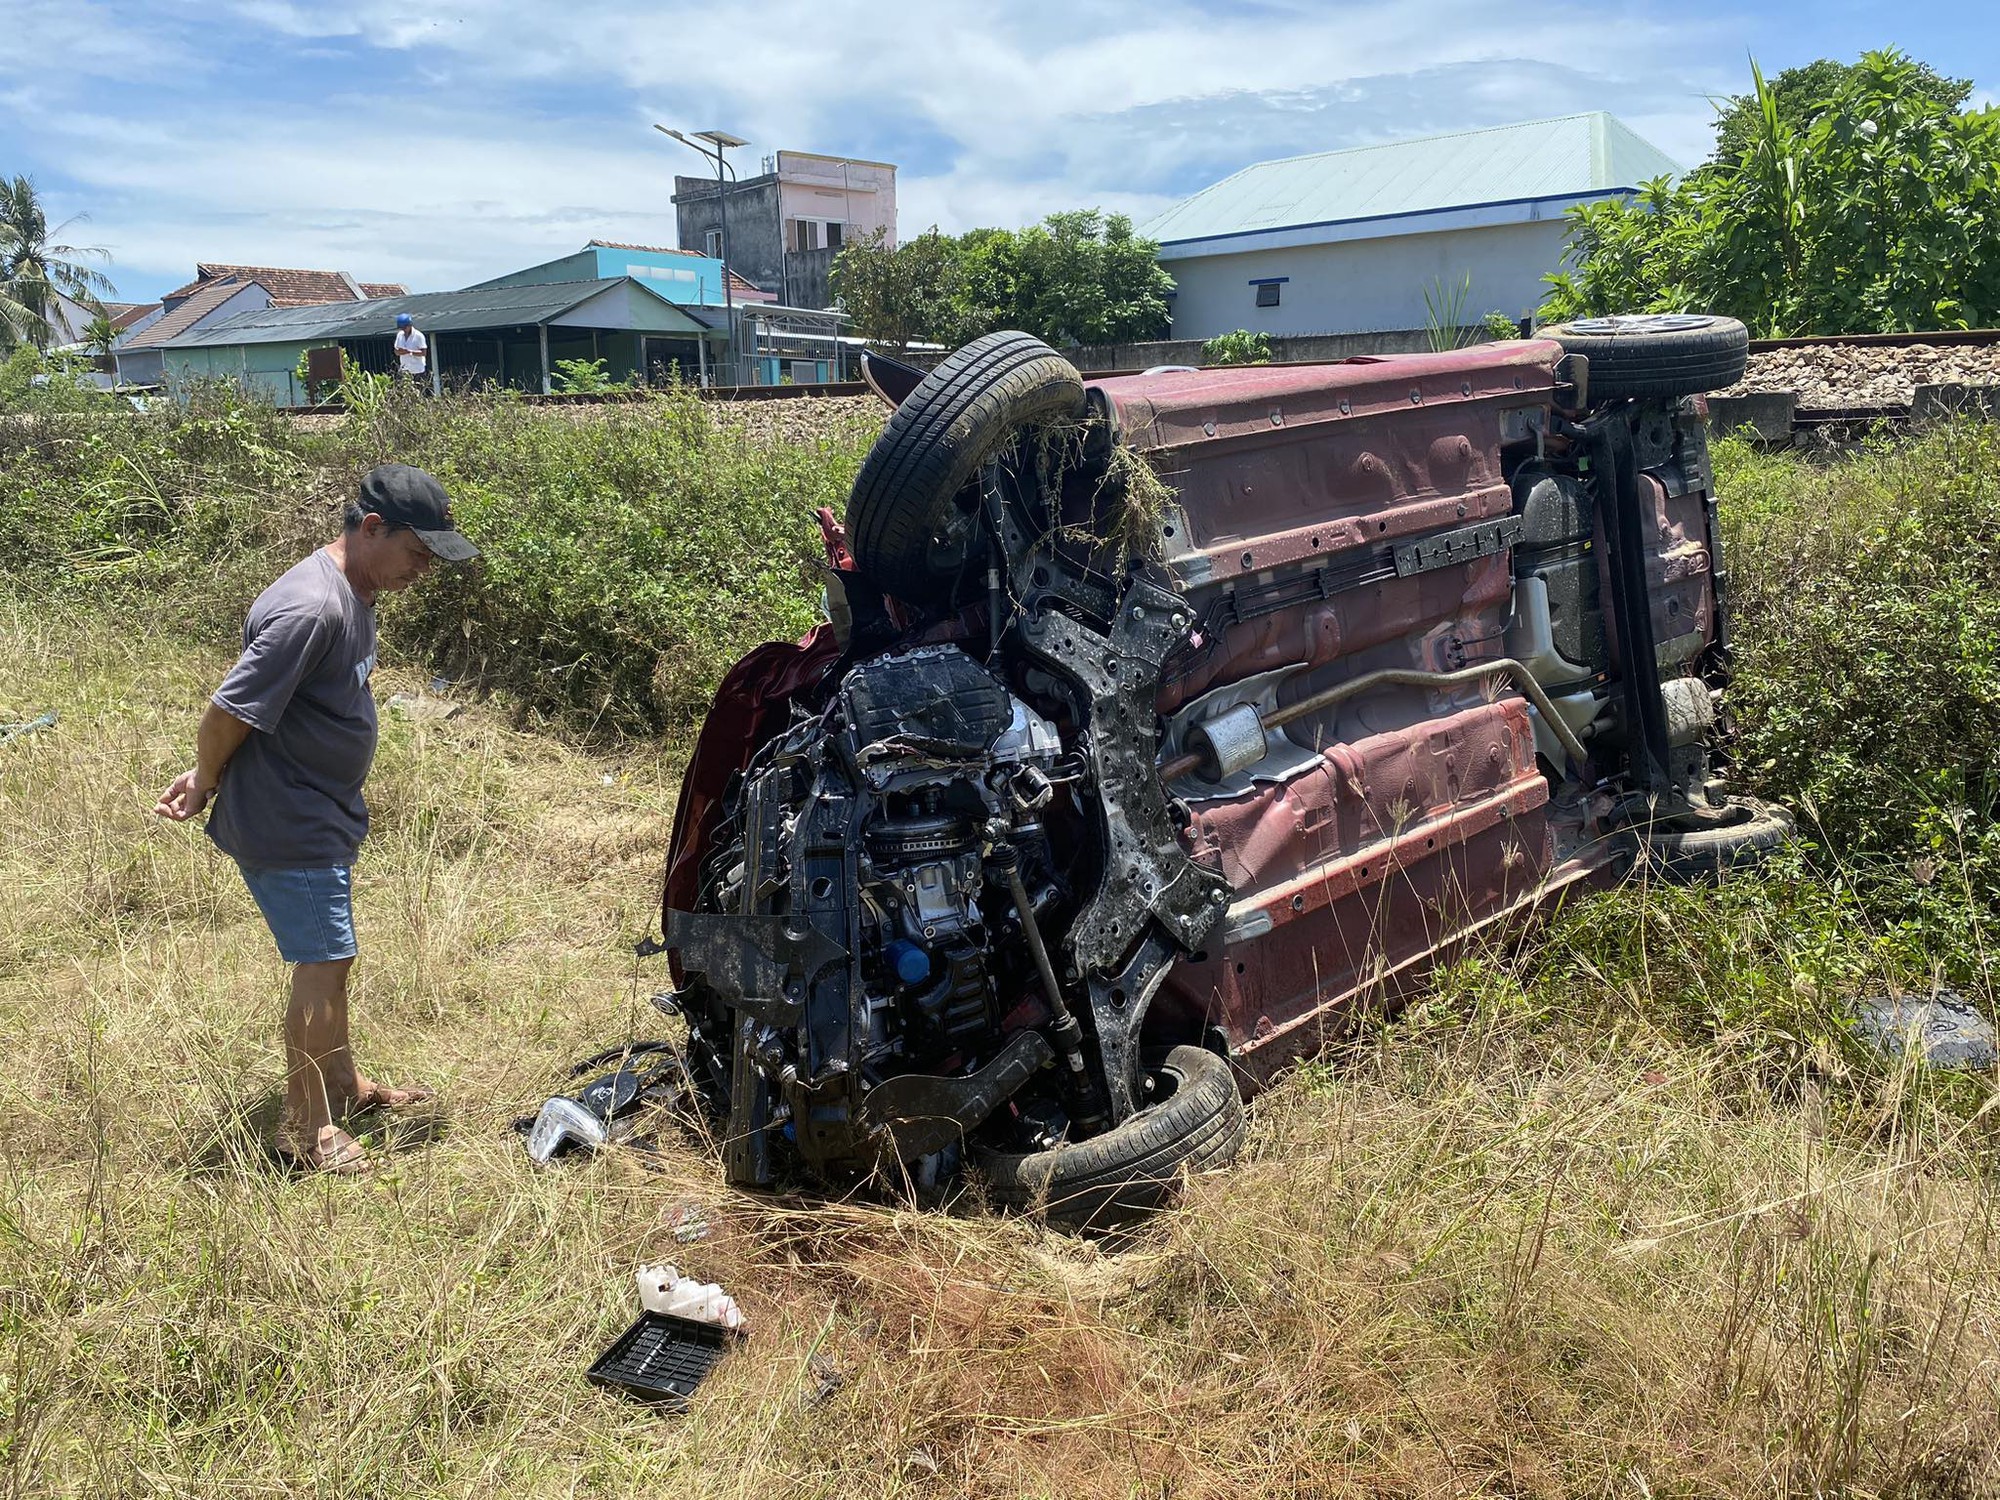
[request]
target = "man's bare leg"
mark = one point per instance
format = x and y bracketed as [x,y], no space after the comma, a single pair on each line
[320,1080]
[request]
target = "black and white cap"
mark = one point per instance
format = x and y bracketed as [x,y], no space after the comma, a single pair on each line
[405,496]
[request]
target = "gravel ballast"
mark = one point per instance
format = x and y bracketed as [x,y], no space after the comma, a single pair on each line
[1844,376]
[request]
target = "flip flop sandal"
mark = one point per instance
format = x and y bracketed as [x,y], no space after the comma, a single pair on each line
[414,1095]
[345,1157]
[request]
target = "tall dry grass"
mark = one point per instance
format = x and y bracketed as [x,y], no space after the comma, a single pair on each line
[1573,1227]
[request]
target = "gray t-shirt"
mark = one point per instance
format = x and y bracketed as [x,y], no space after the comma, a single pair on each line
[291,796]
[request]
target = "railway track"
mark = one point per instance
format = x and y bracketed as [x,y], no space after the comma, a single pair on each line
[1819,404]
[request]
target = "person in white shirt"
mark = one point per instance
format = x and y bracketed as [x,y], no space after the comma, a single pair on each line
[413,350]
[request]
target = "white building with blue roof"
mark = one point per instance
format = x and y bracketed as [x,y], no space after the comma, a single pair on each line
[1350,241]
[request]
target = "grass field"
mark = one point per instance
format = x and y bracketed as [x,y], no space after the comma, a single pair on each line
[1613,1213]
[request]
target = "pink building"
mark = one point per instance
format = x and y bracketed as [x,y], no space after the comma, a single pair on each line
[787,223]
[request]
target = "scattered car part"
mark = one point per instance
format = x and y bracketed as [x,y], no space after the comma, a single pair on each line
[663,1358]
[662,1289]
[891,379]
[911,533]
[689,1224]
[591,1116]
[1945,1029]
[562,1123]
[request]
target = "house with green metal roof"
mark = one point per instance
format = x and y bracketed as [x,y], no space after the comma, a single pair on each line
[506,335]
[1349,241]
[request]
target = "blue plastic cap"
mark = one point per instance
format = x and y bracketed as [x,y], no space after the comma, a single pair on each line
[402,320]
[912,964]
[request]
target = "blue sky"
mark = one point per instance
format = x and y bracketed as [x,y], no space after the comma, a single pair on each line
[440,145]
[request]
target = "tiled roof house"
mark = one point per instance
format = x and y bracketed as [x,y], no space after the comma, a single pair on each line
[290,286]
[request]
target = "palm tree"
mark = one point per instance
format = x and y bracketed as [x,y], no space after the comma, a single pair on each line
[100,333]
[35,270]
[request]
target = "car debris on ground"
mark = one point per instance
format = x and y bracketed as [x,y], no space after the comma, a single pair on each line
[20,728]
[664,1357]
[1942,1029]
[611,1107]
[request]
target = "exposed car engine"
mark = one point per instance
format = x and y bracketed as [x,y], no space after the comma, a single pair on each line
[907,815]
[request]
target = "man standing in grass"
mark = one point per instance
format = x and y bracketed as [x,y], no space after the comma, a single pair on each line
[293,728]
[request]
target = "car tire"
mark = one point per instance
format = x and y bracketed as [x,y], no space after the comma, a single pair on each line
[1743,831]
[1128,1172]
[909,531]
[1655,354]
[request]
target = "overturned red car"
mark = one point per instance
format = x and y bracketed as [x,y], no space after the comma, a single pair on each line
[1163,720]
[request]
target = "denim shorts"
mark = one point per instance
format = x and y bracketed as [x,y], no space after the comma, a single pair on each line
[310,912]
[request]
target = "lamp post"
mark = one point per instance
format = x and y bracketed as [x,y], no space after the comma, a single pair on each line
[719,142]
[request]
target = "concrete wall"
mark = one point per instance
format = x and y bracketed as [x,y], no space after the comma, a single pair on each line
[756,238]
[1365,286]
[807,278]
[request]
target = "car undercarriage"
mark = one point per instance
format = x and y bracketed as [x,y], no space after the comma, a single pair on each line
[1162,723]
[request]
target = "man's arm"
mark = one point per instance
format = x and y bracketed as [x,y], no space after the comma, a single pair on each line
[221,735]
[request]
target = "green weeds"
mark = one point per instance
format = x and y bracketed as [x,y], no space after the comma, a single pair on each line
[631,552]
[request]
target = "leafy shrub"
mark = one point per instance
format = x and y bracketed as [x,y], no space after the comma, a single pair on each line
[629,557]
[1835,223]
[1239,347]
[628,560]
[1866,596]
[582,377]
[32,381]
[1497,325]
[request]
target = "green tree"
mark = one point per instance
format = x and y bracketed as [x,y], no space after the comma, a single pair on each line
[1082,277]
[902,295]
[1879,213]
[988,290]
[35,268]
[100,333]
[1801,93]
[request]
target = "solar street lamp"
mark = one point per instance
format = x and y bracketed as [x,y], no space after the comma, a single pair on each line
[719,142]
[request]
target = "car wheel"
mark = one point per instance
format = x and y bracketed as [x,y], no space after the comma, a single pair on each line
[1741,832]
[1655,354]
[1195,1120]
[910,531]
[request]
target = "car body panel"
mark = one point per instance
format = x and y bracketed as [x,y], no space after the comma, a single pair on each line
[1425,814]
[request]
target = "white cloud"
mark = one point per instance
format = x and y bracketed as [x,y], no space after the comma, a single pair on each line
[443,147]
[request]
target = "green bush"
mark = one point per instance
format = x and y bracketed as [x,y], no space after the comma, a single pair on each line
[31,381]
[630,554]
[629,559]
[1239,347]
[1873,209]
[582,377]
[1866,601]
